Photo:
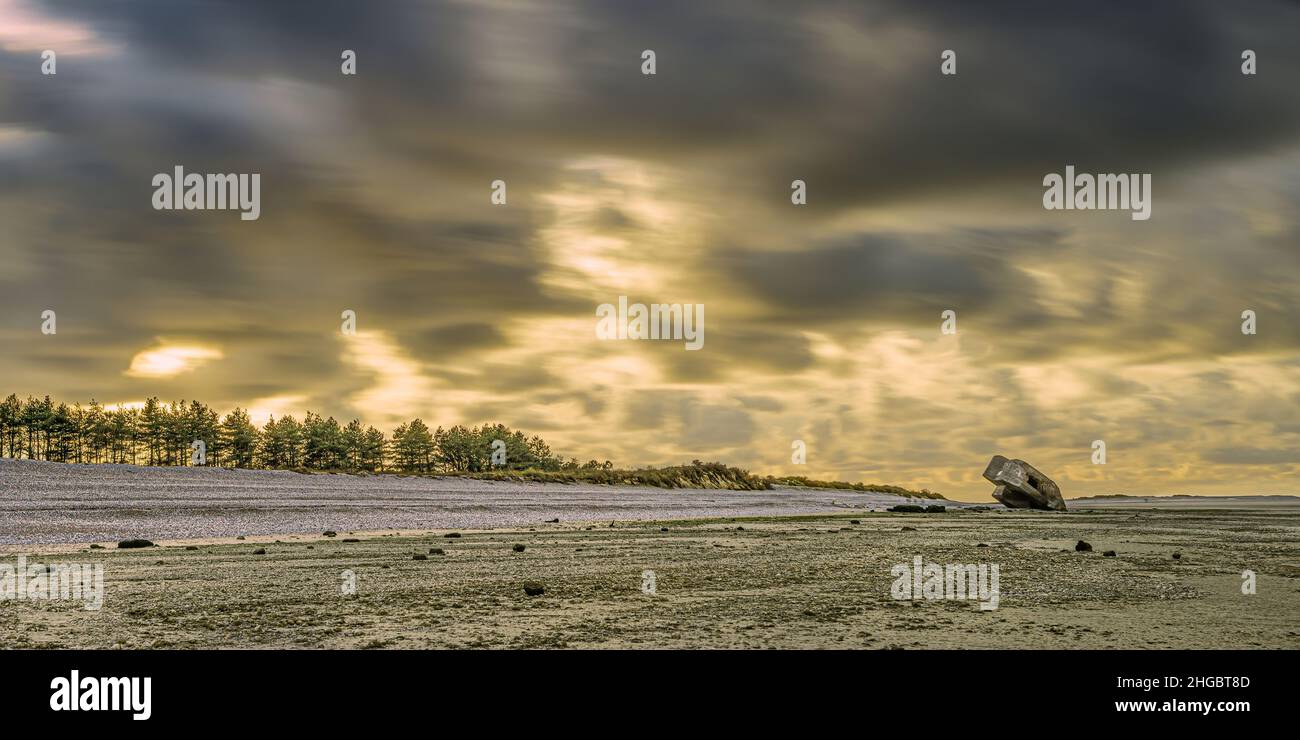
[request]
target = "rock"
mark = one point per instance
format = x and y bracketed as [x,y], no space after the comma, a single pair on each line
[192,547]
[419,557]
[519,548]
[909,529]
[1022,486]
[1108,554]
[260,551]
[349,539]
[935,509]
[437,551]
[452,535]
[97,547]
[533,588]
[1178,556]
[553,521]
[907,509]
[982,544]
[331,533]
[855,521]
[1082,547]
[240,537]
[663,529]
[128,544]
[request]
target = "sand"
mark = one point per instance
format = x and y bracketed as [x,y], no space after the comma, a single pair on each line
[816,581]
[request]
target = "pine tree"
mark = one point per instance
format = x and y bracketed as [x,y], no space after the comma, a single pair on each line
[11,427]
[413,446]
[373,450]
[239,439]
[38,429]
[354,440]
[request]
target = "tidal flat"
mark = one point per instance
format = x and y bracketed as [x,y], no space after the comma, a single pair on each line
[787,581]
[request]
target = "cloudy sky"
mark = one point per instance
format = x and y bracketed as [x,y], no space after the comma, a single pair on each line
[822,320]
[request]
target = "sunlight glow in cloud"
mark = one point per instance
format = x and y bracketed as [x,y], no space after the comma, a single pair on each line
[586,256]
[25,28]
[400,390]
[261,410]
[124,406]
[18,140]
[165,362]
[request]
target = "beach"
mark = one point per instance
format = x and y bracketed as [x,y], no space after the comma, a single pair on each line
[724,575]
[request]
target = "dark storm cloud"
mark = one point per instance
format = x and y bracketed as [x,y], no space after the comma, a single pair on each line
[1112,86]
[892,279]
[1118,87]
[868,275]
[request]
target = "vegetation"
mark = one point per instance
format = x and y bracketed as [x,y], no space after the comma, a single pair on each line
[162,433]
[696,475]
[799,480]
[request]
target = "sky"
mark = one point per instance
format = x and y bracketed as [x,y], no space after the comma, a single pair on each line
[822,320]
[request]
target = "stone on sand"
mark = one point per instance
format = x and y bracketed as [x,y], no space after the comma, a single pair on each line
[128,544]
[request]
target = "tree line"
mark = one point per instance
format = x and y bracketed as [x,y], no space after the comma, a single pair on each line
[163,434]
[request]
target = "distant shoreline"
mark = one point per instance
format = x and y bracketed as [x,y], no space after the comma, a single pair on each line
[1182,495]
[1188,502]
